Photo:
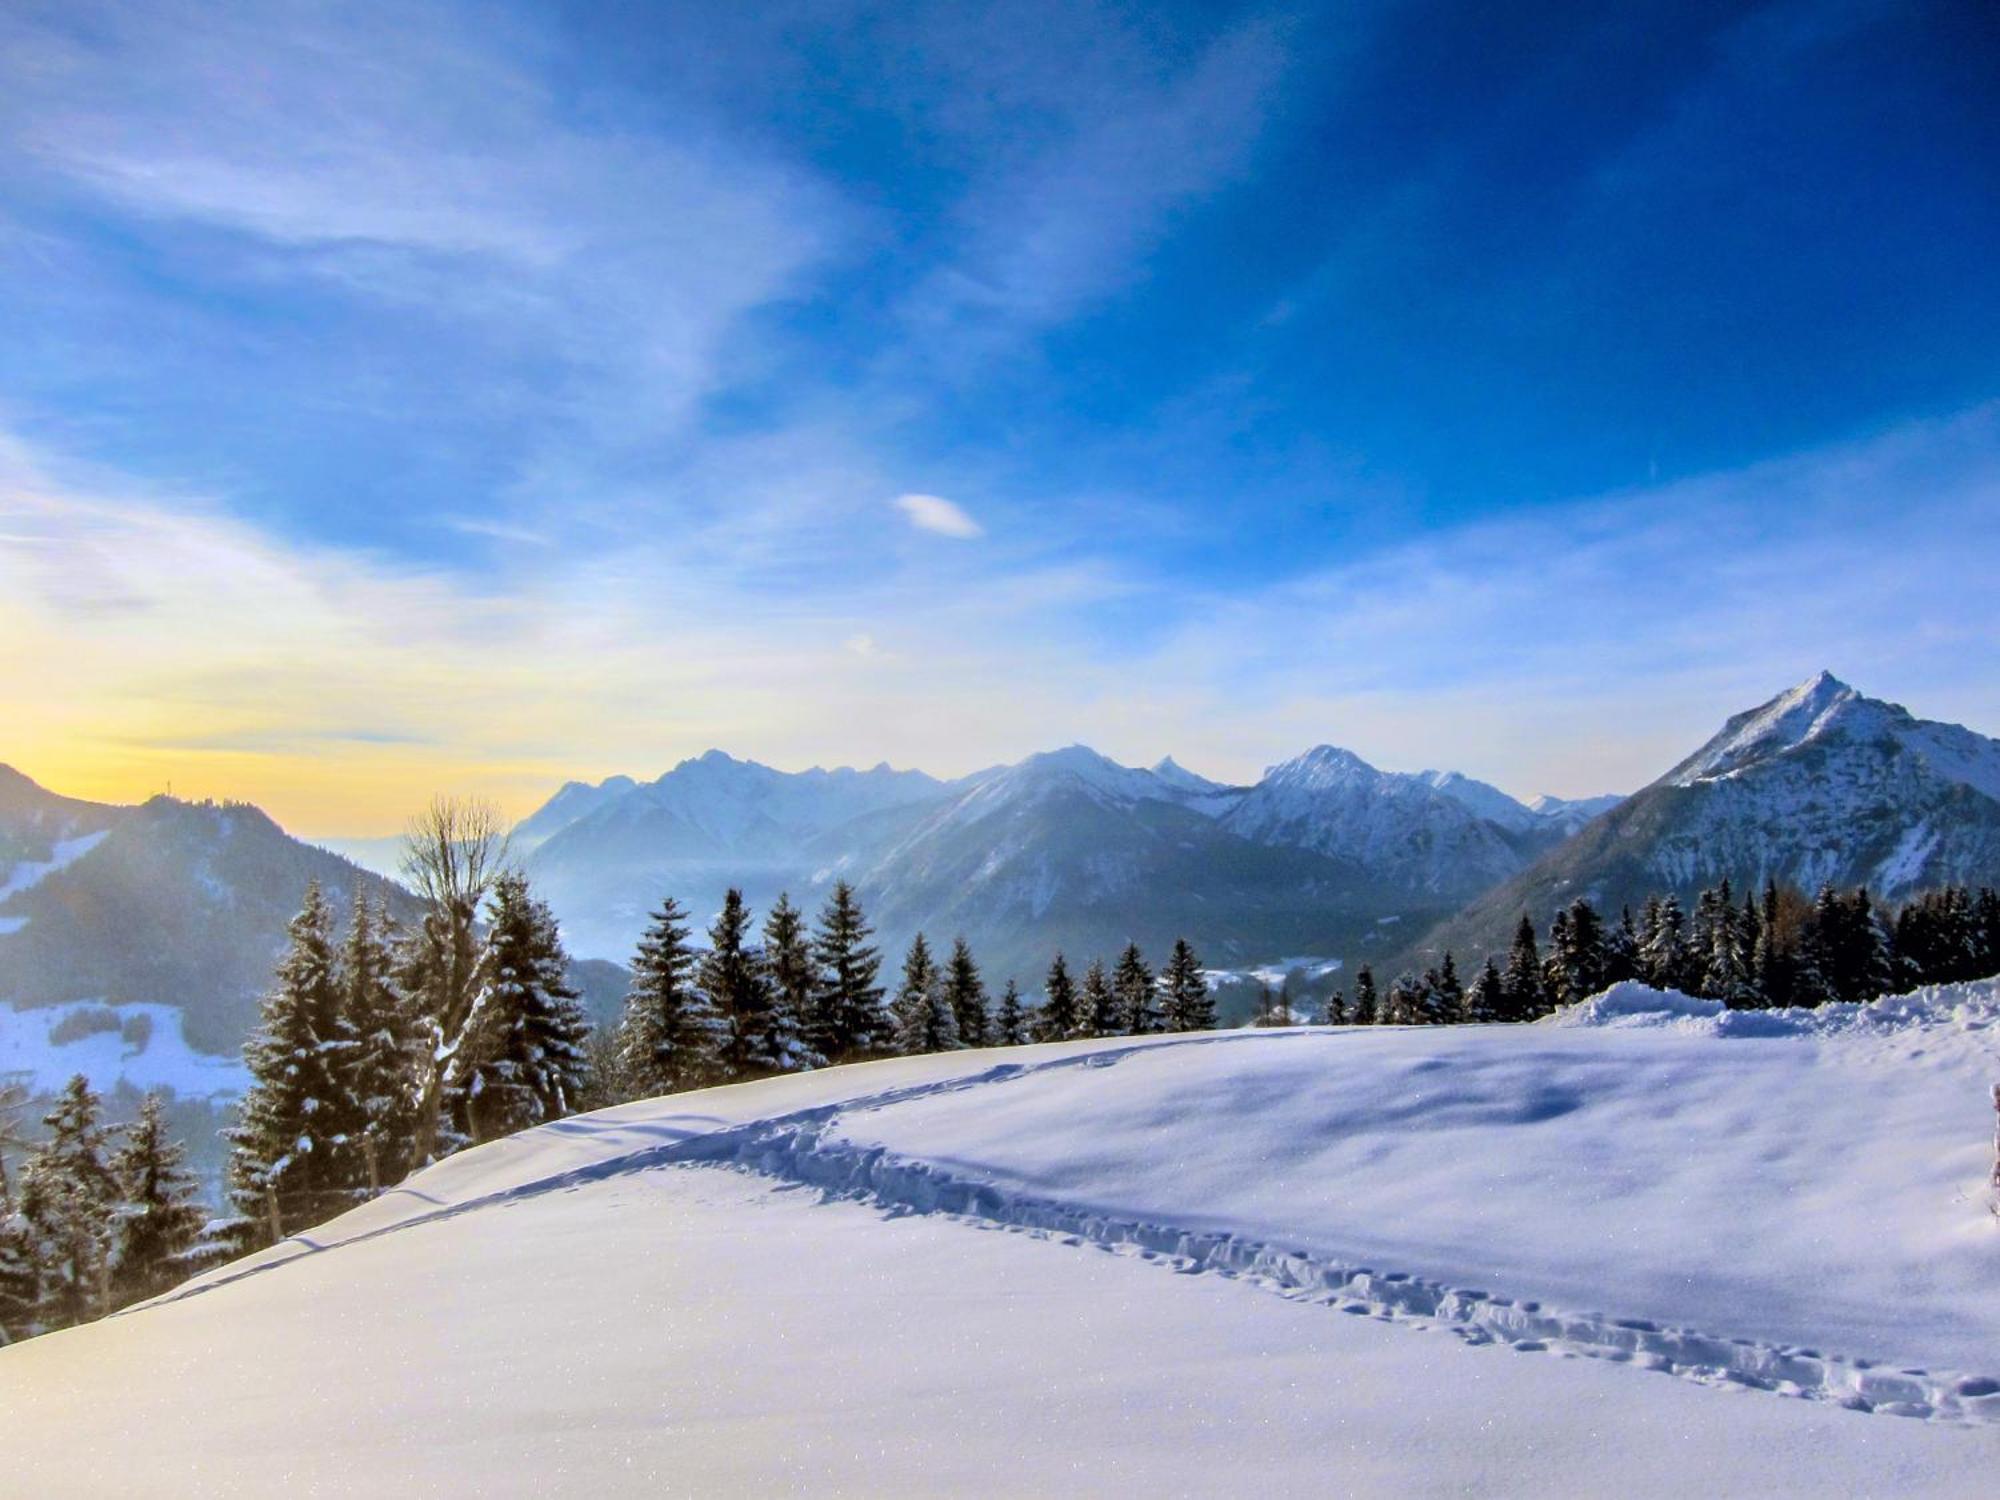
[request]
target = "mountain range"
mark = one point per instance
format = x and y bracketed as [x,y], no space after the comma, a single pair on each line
[173,912]
[1064,849]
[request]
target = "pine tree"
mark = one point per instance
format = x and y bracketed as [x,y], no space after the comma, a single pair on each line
[1873,962]
[1335,1013]
[285,1170]
[1406,1003]
[156,1242]
[1188,1005]
[1727,976]
[848,1020]
[1099,1006]
[1663,958]
[1576,949]
[69,1195]
[1059,1017]
[923,1017]
[1367,1008]
[1137,991]
[669,1037]
[965,992]
[1010,1022]
[794,982]
[1526,994]
[1448,1005]
[522,1060]
[20,1272]
[1488,1000]
[732,976]
[377,1065]
[1621,951]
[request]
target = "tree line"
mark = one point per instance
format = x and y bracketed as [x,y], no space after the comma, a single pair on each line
[1770,949]
[383,1047]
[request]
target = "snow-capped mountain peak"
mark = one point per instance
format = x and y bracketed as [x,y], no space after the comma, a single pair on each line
[1175,774]
[1813,709]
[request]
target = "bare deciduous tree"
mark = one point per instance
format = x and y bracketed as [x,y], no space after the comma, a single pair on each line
[453,851]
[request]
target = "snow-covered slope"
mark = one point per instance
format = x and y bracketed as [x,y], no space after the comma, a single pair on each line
[1579,1210]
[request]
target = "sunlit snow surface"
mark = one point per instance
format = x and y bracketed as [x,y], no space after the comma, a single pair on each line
[1642,1252]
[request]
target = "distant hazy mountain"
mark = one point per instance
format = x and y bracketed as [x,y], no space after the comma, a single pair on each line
[1065,849]
[170,903]
[1819,784]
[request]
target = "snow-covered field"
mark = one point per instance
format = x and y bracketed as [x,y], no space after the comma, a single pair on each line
[1642,1252]
[142,1045]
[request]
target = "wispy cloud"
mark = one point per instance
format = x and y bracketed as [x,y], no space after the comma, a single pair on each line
[936,514]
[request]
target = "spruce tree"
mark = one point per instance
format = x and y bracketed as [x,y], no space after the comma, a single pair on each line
[733,979]
[522,1061]
[1010,1021]
[1138,993]
[156,1243]
[1727,976]
[923,1017]
[848,1020]
[69,1195]
[20,1274]
[1405,1004]
[1187,1004]
[1621,951]
[669,1037]
[1099,1006]
[1367,1007]
[965,992]
[794,982]
[1335,1011]
[1526,994]
[377,1064]
[1663,958]
[285,1167]
[1059,1016]
[1448,1004]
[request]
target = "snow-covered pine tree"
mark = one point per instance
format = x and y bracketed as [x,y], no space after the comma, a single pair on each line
[1727,975]
[1582,956]
[848,1020]
[732,977]
[522,1060]
[1663,954]
[1059,1017]
[20,1277]
[1187,1004]
[1874,961]
[1405,1005]
[923,1018]
[794,980]
[1487,1001]
[156,1242]
[285,1171]
[1099,1005]
[965,992]
[1367,1005]
[69,1196]
[1335,1011]
[1010,1020]
[669,1037]
[1526,993]
[1137,991]
[377,1064]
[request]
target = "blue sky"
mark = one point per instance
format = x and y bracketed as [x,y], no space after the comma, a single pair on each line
[403,394]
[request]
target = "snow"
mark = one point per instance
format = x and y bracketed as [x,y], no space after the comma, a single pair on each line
[164,1060]
[1275,973]
[65,852]
[956,1274]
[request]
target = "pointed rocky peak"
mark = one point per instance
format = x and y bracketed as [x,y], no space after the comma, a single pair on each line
[1174,774]
[1324,767]
[1816,708]
[1479,798]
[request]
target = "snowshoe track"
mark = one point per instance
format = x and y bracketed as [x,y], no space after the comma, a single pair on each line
[796,1149]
